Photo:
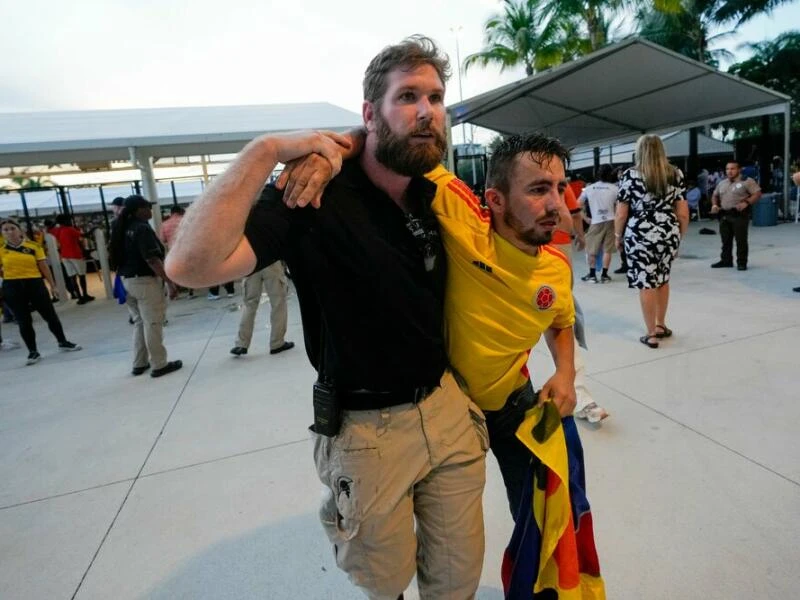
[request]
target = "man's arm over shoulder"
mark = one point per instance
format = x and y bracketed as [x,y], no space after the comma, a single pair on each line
[210,246]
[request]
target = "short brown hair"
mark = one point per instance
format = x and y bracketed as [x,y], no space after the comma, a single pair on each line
[409,54]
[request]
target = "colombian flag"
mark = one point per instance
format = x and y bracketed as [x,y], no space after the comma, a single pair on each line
[552,555]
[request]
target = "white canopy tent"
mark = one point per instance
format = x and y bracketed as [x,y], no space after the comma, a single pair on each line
[42,138]
[619,92]
[142,135]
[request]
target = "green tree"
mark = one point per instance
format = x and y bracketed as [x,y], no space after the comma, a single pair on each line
[775,64]
[691,27]
[523,34]
[24,182]
[595,17]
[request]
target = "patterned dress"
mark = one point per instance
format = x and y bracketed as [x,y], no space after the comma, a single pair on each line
[652,234]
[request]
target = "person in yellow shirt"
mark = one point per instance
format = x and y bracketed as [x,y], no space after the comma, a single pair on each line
[506,286]
[23,268]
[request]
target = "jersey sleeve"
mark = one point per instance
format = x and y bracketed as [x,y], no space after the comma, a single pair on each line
[455,200]
[38,252]
[565,316]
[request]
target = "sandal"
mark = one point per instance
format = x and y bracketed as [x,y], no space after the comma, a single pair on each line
[645,339]
[664,333]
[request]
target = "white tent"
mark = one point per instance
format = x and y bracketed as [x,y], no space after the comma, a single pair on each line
[143,135]
[46,138]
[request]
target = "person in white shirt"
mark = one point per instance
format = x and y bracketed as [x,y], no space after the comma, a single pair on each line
[601,198]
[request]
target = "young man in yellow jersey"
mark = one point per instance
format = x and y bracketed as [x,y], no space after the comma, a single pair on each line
[506,286]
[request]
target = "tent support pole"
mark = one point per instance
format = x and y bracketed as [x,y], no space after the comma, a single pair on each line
[787,132]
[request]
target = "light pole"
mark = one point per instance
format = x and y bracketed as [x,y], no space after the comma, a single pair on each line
[455,30]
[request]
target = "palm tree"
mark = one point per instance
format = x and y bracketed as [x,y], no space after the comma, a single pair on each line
[687,31]
[596,15]
[689,26]
[524,34]
[773,64]
[28,183]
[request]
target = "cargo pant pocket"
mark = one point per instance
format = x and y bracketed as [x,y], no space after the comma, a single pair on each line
[350,478]
[479,423]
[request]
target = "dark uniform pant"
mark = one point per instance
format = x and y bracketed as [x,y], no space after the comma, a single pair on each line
[513,457]
[24,296]
[734,225]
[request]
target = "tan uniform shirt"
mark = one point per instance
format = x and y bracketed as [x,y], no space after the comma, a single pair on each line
[730,193]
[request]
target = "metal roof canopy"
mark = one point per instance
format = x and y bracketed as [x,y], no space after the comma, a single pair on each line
[628,88]
[625,89]
[41,138]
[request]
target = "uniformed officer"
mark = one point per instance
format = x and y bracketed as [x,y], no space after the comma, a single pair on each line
[732,200]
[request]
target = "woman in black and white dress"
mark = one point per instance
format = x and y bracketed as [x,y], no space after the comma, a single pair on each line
[651,200]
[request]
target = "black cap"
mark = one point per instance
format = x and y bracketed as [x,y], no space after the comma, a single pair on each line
[118,201]
[135,201]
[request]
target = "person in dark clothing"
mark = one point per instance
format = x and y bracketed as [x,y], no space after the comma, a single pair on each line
[138,256]
[369,269]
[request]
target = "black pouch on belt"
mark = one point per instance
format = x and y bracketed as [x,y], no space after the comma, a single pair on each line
[327,405]
[327,410]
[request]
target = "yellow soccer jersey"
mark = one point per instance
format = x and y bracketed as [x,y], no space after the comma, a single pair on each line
[20,262]
[499,299]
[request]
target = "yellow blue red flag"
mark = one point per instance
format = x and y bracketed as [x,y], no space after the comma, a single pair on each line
[552,555]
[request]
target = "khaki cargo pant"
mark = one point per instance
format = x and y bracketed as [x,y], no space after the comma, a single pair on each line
[273,279]
[387,467]
[147,306]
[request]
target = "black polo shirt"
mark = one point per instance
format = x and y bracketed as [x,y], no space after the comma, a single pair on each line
[141,243]
[374,274]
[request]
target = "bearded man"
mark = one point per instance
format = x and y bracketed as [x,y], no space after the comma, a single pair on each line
[397,443]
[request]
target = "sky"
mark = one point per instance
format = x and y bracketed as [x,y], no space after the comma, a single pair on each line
[104,54]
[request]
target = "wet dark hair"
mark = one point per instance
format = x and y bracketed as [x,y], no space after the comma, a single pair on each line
[63,219]
[540,148]
[409,54]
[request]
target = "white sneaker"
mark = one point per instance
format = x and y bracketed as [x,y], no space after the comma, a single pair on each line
[212,296]
[231,295]
[592,413]
[9,345]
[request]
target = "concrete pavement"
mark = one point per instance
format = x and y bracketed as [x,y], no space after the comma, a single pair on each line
[201,484]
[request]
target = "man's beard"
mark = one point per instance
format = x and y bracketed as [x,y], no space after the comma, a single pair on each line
[397,153]
[530,236]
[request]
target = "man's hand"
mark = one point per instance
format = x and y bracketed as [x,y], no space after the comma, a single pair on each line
[618,242]
[714,209]
[580,242]
[742,206]
[305,178]
[172,290]
[294,145]
[560,388]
